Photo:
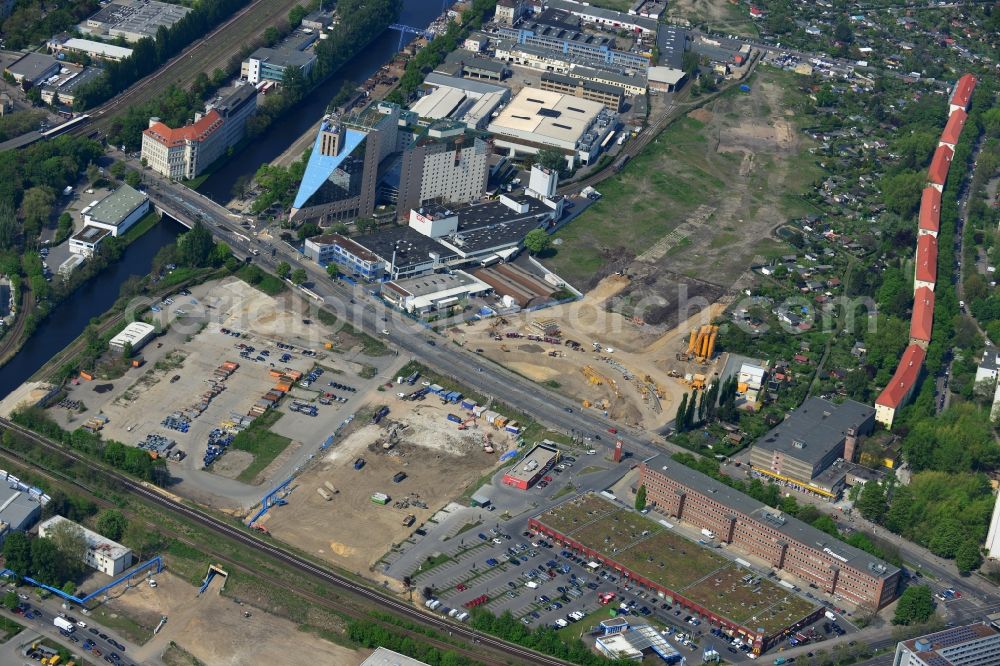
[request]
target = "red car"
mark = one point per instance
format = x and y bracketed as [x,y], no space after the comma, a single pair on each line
[613,431]
[461,587]
[547,479]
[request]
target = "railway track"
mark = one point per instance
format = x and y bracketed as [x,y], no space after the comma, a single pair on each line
[383,601]
[212,50]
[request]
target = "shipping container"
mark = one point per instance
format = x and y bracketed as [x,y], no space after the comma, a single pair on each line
[380,498]
[454,418]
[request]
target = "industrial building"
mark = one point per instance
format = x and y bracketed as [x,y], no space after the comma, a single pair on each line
[462,100]
[20,507]
[971,645]
[445,164]
[343,169]
[137,334]
[465,63]
[621,640]
[235,106]
[901,386]
[578,45]
[665,79]
[509,12]
[432,292]
[270,64]
[103,554]
[90,48]
[133,20]
[784,542]
[529,470]
[61,89]
[694,579]
[515,286]
[185,152]
[440,238]
[33,68]
[86,241]
[610,96]
[386,657]
[809,440]
[537,119]
[606,18]
[118,211]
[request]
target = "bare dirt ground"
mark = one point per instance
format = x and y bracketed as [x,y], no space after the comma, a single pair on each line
[717,14]
[214,630]
[350,530]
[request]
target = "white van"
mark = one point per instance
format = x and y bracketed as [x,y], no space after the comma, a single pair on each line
[531,585]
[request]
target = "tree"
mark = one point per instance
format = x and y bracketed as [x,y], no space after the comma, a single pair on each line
[871,502]
[36,207]
[333,270]
[690,416]
[194,248]
[537,241]
[681,413]
[901,192]
[133,178]
[71,543]
[550,158]
[17,553]
[240,186]
[10,601]
[690,62]
[127,350]
[47,562]
[283,270]
[112,524]
[299,276]
[640,498]
[8,226]
[118,170]
[915,606]
[968,557]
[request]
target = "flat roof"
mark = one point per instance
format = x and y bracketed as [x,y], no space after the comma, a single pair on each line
[468,85]
[17,507]
[534,460]
[668,75]
[791,527]
[282,57]
[649,550]
[90,234]
[586,84]
[114,208]
[616,78]
[95,541]
[672,42]
[472,60]
[32,65]
[426,285]
[99,48]
[815,428]
[547,114]
[69,82]
[439,103]
[409,246]
[933,649]
[135,331]
[578,9]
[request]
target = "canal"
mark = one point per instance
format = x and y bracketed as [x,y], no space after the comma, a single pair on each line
[71,318]
[219,186]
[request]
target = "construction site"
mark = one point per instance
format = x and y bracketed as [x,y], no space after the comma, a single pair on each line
[603,359]
[390,470]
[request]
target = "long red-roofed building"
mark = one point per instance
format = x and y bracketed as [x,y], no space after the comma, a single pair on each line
[937,175]
[922,319]
[953,129]
[186,151]
[930,212]
[900,389]
[962,95]
[925,273]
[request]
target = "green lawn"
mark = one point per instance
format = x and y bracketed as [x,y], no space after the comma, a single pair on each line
[618,5]
[9,629]
[262,443]
[269,284]
[149,221]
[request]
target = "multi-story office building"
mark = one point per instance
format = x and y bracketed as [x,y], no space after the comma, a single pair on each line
[185,152]
[103,554]
[784,542]
[343,169]
[266,64]
[446,164]
[578,45]
[971,645]
[235,107]
[609,96]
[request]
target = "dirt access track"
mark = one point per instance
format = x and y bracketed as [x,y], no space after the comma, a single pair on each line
[439,461]
[214,629]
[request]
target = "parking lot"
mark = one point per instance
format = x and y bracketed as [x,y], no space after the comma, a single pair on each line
[542,585]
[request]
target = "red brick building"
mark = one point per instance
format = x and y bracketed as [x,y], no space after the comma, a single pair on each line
[784,542]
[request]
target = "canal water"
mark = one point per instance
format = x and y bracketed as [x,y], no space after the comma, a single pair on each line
[219,186]
[90,300]
[95,297]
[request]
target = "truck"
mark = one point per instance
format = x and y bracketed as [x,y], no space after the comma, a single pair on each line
[708,533]
[64,625]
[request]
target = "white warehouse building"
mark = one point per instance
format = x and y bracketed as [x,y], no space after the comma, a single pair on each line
[118,211]
[137,333]
[537,119]
[103,554]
